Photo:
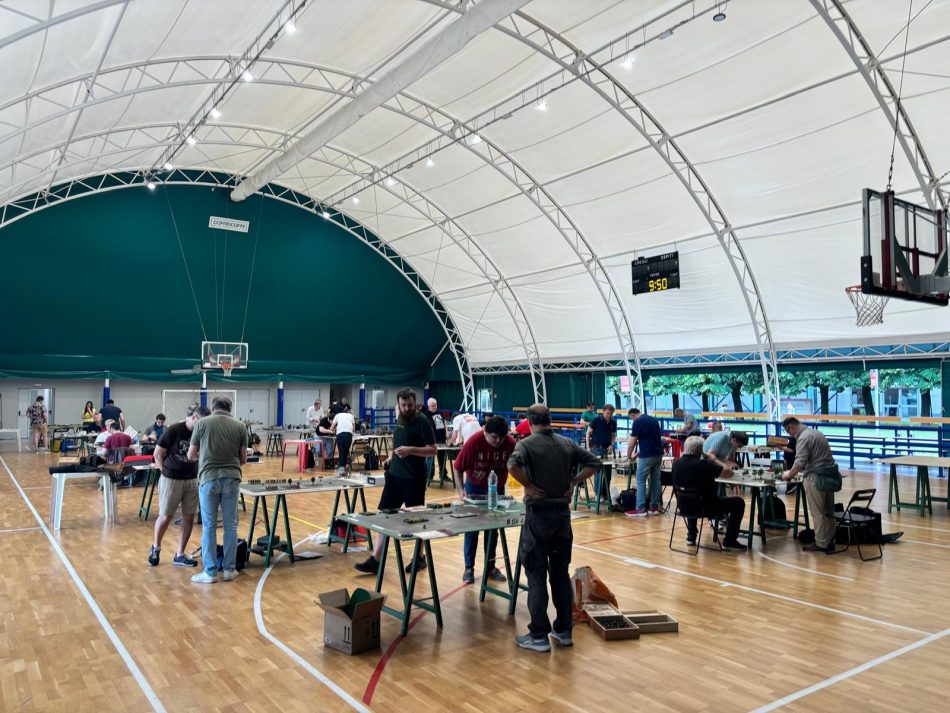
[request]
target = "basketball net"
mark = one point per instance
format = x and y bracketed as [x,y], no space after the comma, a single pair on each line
[227,368]
[869,308]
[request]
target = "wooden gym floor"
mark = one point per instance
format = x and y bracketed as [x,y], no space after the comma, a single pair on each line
[88,626]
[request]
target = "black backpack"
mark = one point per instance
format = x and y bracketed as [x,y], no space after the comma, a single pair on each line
[774,510]
[372,460]
[240,559]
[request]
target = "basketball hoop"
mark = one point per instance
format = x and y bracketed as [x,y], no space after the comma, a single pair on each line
[227,368]
[869,307]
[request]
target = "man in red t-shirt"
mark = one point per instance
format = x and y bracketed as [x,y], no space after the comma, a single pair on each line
[116,439]
[486,451]
[523,429]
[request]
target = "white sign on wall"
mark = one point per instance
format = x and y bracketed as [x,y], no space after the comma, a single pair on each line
[238,226]
[624,384]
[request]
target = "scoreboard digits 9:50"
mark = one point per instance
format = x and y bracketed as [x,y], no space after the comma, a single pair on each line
[656,274]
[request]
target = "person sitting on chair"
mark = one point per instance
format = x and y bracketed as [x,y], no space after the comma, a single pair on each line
[155,431]
[115,440]
[698,474]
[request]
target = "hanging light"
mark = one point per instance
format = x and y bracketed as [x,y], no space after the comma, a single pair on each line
[191,140]
[290,28]
[247,76]
[719,16]
[168,166]
[666,34]
[628,62]
[390,182]
[474,139]
[430,163]
[151,185]
[356,200]
[542,105]
[326,215]
[215,113]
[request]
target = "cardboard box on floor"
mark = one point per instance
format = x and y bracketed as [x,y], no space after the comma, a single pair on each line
[351,635]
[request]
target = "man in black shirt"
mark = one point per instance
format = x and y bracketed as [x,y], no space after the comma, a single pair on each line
[546,465]
[437,422]
[111,412]
[600,437]
[698,474]
[413,442]
[177,486]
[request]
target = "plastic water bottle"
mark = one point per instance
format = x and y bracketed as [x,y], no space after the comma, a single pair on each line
[492,491]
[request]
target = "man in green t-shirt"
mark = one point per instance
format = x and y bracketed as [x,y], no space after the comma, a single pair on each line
[219,444]
[588,416]
[413,442]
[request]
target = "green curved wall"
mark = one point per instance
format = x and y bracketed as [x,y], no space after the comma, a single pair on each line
[99,284]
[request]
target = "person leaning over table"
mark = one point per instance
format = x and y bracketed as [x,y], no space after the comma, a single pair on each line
[721,448]
[154,432]
[547,466]
[485,452]
[699,474]
[812,452]
[690,426]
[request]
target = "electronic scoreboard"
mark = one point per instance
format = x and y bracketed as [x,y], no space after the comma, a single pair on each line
[656,274]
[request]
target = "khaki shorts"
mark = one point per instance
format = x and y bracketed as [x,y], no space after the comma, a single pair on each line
[173,492]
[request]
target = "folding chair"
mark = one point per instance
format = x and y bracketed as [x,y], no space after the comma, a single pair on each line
[853,521]
[689,503]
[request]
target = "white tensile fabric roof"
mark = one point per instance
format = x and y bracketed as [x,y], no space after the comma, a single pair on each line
[767,106]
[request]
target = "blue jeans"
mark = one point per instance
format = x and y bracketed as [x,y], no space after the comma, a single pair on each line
[223,492]
[471,538]
[648,467]
[600,452]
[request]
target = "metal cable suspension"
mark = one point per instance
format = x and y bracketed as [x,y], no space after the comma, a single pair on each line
[900,93]
[250,279]
[184,260]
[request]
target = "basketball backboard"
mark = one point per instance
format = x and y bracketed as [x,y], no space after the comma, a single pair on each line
[905,249]
[224,355]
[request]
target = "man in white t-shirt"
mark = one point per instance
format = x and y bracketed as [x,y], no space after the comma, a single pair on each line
[464,426]
[343,426]
[314,414]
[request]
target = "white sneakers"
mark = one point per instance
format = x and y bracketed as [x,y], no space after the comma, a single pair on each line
[205,578]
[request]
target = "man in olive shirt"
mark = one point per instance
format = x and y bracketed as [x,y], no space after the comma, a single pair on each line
[546,465]
[413,442]
[812,451]
[219,444]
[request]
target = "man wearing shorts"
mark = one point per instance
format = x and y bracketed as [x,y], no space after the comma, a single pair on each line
[413,442]
[177,486]
[38,423]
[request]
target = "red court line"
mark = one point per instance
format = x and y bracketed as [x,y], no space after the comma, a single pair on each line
[620,537]
[384,659]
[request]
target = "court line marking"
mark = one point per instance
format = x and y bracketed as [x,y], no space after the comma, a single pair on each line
[19,529]
[929,544]
[844,675]
[804,569]
[753,590]
[294,656]
[77,580]
[915,527]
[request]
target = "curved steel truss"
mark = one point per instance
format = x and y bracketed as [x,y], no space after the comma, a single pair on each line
[576,66]
[81,188]
[869,67]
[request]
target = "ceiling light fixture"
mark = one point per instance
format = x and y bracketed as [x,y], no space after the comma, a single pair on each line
[429,163]
[356,200]
[390,182]
[215,113]
[248,77]
[628,62]
[151,185]
[542,105]
[191,140]
[168,166]
[290,28]
[719,16]
[475,139]
[326,215]
[666,34]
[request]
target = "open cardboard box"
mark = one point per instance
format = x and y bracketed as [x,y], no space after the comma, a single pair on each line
[351,635]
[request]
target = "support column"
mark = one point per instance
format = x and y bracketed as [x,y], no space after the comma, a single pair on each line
[362,401]
[425,395]
[204,389]
[280,403]
[106,392]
